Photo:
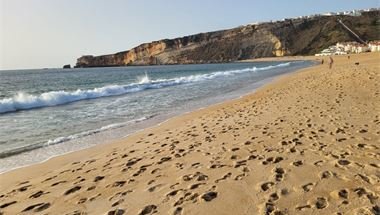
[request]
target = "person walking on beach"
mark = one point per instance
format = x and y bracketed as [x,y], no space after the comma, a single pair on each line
[322,61]
[331,62]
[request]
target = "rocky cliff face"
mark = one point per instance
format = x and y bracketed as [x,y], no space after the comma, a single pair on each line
[289,37]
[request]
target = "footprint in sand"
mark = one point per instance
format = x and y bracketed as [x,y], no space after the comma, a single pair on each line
[118,202]
[364,178]
[270,208]
[8,204]
[303,207]
[195,186]
[198,176]
[37,194]
[164,159]
[118,184]
[215,166]
[178,211]
[343,162]
[57,183]
[173,193]
[240,163]
[307,187]
[196,165]
[72,190]
[149,209]
[273,197]
[326,174]
[343,193]
[155,171]
[119,195]
[226,176]
[268,161]
[152,189]
[321,203]
[116,212]
[209,196]
[240,176]
[81,201]
[91,188]
[279,176]
[37,207]
[140,171]
[24,182]
[266,186]
[98,178]
[252,157]
[50,178]
[24,188]
[319,163]
[298,163]
[95,197]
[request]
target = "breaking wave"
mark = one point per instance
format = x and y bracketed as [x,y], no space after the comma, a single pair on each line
[24,101]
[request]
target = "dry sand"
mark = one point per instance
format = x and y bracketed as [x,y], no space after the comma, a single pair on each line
[309,143]
[285,58]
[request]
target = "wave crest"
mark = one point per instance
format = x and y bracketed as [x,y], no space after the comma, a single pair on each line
[24,101]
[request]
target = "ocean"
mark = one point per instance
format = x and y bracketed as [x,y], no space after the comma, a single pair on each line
[49,112]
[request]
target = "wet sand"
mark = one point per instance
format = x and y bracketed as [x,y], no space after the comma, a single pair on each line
[308,143]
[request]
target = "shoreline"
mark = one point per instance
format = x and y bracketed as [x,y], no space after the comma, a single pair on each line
[284,58]
[164,119]
[284,142]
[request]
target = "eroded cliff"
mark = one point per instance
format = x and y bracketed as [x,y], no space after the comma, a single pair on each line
[289,37]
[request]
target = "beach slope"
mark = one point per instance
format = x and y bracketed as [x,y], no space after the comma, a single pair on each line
[308,143]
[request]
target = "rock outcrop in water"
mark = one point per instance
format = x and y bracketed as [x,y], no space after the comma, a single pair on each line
[66,66]
[290,37]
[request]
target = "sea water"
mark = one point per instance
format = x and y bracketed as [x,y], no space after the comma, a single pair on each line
[48,112]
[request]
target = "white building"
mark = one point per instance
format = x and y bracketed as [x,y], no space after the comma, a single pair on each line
[353,13]
[332,50]
[356,13]
[360,49]
[343,48]
[349,47]
[374,46]
[329,14]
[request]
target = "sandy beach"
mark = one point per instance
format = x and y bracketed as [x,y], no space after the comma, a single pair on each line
[308,143]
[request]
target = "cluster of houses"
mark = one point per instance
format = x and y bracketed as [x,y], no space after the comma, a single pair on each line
[346,13]
[350,48]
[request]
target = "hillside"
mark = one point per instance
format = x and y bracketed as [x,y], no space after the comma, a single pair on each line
[302,36]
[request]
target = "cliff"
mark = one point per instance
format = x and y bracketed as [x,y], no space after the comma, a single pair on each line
[301,36]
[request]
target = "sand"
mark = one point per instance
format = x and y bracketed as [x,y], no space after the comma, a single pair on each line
[308,143]
[284,58]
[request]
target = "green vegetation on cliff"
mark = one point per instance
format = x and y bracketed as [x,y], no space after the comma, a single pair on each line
[302,36]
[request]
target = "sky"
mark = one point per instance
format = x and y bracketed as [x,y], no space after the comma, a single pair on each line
[51,33]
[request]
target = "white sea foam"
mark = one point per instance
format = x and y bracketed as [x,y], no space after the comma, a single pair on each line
[70,137]
[24,101]
[91,132]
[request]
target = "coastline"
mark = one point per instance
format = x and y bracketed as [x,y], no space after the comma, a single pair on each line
[147,141]
[112,135]
[287,58]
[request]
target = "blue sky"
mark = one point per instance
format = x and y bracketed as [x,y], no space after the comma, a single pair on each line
[50,33]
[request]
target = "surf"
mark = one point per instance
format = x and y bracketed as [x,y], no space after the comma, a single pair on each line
[25,101]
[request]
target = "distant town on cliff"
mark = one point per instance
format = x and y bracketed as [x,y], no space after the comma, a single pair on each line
[304,35]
